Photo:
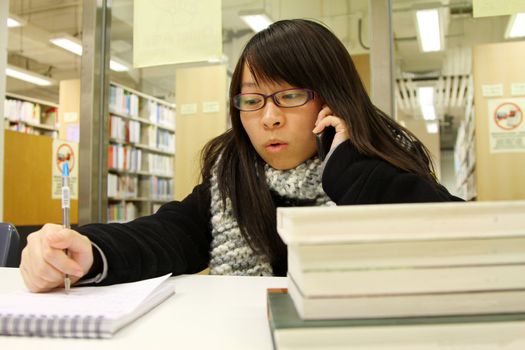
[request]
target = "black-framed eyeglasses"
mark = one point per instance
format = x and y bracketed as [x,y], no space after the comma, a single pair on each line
[288,98]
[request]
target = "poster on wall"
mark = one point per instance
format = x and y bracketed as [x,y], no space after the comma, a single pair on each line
[506,125]
[63,152]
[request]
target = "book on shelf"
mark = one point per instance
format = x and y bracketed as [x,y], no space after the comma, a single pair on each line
[122,186]
[30,116]
[142,146]
[122,101]
[156,207]
[122,130]
[86,312]
[125,158]
[122,211]
[488,332]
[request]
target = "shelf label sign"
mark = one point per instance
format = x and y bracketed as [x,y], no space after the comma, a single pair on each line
[506,125]
[517,89]
[493,90]
[188,108]
[63,152]
[210,107]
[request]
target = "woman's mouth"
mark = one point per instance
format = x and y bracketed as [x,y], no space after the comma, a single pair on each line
[275,147]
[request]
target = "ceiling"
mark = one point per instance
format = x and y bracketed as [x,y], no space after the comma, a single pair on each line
[29,46]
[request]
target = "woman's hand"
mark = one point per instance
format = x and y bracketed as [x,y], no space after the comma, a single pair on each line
[326,118]
[44,261]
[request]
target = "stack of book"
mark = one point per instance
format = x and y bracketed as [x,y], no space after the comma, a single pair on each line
[436,268]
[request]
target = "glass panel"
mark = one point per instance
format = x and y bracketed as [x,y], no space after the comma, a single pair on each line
[141,126]
[41,113]
[36,66]
[435,86]
[149,176]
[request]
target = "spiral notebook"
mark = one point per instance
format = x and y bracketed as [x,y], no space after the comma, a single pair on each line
[86,312]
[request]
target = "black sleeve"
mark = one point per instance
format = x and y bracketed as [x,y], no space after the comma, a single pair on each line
[352,178]
[176,239]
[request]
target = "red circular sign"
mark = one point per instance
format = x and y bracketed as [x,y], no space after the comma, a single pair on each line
[508,116]
[65,154]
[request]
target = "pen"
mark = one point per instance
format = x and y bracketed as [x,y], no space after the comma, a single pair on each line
[65,213]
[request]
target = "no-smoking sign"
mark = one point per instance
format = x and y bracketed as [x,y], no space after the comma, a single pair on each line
[506,126]
[508,116]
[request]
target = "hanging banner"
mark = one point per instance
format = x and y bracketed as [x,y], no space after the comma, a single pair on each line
[64,151]
[486,8]
[506,125]
[176,31]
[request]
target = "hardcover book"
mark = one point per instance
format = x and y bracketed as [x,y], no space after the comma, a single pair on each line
[487,332]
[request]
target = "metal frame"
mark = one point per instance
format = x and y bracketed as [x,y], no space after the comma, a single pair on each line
[95,86]
[4,10]
[96,31]
[381,55]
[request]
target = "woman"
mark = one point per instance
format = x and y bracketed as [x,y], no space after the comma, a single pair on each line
[292,80]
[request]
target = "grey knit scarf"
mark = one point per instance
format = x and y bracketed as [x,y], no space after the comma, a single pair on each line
[230,253]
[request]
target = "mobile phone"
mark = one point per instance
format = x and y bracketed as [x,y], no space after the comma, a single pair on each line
[324,141]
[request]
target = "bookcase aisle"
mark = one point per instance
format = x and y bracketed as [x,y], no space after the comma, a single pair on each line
[30,116]
[140,154]
[465,152]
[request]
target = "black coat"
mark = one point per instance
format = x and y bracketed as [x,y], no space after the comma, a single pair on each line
[177,238]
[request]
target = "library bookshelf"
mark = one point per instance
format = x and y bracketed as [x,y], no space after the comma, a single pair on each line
[141,153]
[465,152]
[30,116]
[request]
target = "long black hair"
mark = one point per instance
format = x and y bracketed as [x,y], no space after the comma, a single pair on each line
[304,54]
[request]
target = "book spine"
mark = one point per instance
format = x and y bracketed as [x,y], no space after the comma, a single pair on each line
[52,326]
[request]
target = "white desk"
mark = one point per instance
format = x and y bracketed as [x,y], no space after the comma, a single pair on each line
[206,312]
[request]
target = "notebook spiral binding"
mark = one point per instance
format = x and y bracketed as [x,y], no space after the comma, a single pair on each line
[52,326]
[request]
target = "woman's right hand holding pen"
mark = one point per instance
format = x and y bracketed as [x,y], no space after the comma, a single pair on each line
[44,261]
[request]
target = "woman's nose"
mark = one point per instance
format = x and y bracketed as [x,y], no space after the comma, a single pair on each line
[272,115]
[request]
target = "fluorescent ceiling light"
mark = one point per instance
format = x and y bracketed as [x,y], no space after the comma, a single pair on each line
[68,43]
[425,96]
[215,59]
[14,21]
[25,75]
[71,44]
[432,127]
[429,30]
[516,26]
[118,65]
[429,112]
[256,20]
